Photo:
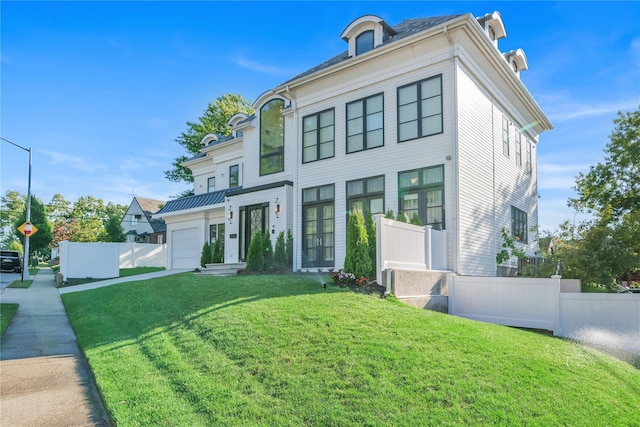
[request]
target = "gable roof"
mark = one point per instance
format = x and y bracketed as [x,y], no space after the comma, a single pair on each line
[193,202]
[404,29]
[149,207]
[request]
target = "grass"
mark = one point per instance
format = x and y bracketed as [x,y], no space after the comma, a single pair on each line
[7,311]
[124,272]
[20,284]
[280,350]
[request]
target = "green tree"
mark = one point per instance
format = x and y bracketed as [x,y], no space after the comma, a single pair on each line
[611,189]
[88,216]
[58,209]
[370,227]
[267,249]
[389,214]
[42,238]
[12,204]
[112,231]
[205,255]
[214,120]
[217,256]
[255,253]
[606,248]
[357,259]
[402,217]
[280,253]
[289,248]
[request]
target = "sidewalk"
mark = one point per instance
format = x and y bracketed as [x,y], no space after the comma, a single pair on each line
[44,379]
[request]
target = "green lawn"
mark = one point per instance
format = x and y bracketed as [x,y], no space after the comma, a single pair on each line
[7,311]
[281,350]
[20,284]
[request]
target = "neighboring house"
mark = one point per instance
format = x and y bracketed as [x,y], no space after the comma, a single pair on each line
[427,116]
[139,225]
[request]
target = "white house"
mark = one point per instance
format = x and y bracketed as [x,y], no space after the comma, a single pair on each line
[138,223]
[427,116]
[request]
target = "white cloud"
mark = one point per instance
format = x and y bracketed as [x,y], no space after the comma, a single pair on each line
[270,70]
[74,162]
[561,112]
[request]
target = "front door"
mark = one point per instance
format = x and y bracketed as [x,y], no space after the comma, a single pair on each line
[253,219]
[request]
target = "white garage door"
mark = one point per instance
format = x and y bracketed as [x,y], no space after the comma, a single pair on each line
[184,248]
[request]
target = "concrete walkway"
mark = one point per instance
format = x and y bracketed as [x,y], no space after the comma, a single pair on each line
[44,378]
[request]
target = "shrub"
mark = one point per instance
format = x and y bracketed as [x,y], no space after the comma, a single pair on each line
[289,248]
[343,278]
[415,219]
[371,235]
[402,217]
[267,250]
[205,256]
[280,254]
[217,256]
[389,215]
[255,254]
[357,259]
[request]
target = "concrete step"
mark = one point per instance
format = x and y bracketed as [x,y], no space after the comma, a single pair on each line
[230,269]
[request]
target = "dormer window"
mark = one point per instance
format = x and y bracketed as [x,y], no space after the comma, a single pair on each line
[517,61]
[366,33]
[364,42]
[492,24]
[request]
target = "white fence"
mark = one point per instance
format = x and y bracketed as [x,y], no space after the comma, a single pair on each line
[553,304]
[408,247]
[103,260]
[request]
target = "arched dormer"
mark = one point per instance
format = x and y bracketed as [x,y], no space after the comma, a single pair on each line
[208,139]
[234,123]
[492,24]
[517,61]
[366,33]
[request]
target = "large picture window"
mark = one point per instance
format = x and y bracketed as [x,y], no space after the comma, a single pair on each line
[318,136]
[365,123]
[422,192]
[420,109]
[518,225]
[272,137]
[366,195]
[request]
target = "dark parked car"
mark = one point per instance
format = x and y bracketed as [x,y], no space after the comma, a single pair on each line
[630,291]
[11,260]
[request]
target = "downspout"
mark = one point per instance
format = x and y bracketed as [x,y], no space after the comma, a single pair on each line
[456,172]
[296,217]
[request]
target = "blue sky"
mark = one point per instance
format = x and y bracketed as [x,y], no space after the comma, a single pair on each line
[100,90]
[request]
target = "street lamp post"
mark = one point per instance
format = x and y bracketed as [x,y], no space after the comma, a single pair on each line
[25,263]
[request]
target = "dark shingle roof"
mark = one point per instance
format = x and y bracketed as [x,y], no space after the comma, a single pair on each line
[192,202]
[404,29]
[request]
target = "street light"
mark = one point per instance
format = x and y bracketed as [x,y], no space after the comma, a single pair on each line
[28,216]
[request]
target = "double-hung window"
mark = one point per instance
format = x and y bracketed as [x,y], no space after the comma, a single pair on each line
[234,176]
[529,168]
[272,137]
[211,184]
[318,136]
[518,148]
[420,109]
[518,224]
[505,136]
[365,123]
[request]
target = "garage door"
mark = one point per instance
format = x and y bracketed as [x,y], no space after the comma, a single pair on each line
[184,248]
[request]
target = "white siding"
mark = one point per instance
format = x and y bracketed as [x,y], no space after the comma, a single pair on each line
[476,181]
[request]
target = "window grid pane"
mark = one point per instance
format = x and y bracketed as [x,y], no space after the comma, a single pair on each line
[426,117]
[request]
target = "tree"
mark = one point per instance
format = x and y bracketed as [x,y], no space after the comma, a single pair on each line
[611,189]
[88,216]
[280,253]
[205,255]
[12,204]
[370,227]
[255,253]
[606,248]
[357,259]
[58,209]
[42,238]
[217,256]
[214,120]
[112,231]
